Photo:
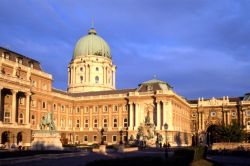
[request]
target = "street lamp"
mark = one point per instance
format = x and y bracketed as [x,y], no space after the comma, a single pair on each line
[121,134]
[102,139]
[166,130]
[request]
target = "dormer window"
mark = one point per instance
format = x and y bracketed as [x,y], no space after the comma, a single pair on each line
[19,60]
[31,65]
[149,88]
[7,55]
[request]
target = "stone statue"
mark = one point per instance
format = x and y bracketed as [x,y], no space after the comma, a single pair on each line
[48,121]
[147,118]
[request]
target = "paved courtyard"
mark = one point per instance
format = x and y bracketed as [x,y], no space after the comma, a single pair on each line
[82,158]
[73,159]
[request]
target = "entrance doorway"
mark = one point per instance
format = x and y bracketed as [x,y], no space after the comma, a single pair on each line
[212,134]
[19,138]
[5,137]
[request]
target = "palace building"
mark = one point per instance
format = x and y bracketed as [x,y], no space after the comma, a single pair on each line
[92,102]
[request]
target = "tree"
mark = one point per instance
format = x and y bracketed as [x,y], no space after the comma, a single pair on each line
[227,133]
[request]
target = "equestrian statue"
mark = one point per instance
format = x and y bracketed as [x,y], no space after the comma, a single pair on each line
[48,121]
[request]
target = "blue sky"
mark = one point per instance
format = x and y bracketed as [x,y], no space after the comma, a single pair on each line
[200,47]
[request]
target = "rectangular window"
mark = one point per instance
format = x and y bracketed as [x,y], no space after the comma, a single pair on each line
[105,123]
[7,117]
[85,138]
[114,138]
[44,105]
[86,123]
[95,123]
[125,122]
[115,122]
[78,123]
[94,138]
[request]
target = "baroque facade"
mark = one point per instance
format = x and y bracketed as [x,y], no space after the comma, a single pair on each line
[92,103]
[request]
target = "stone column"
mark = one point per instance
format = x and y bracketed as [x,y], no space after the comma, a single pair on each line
[13,111]
[202,121]
[90,78]
[137,115]
[131,117]
[1,106]
[27,113]
[114,79]
[106,75]
[69,76]
[72,74]
[158,125]
[103,75]
[163,115]
[198,121]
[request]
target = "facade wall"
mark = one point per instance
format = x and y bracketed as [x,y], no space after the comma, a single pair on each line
[27,96]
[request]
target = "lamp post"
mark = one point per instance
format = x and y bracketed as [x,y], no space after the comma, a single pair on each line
[101,132]
[121,134]
[166,130]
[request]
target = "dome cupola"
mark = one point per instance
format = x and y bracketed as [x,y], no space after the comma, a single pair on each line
[92,44]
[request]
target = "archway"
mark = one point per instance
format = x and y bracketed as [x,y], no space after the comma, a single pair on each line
[212,134]
[5,137]
[19,137]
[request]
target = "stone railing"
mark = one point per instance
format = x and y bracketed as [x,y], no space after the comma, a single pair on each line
[231,146]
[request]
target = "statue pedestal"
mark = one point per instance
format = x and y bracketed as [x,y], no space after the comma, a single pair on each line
[102,149]
[46,140]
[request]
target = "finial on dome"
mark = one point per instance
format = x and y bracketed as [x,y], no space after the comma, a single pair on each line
[154,76]
[92,29]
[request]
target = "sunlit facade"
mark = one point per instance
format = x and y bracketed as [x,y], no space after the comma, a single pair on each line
[92,102]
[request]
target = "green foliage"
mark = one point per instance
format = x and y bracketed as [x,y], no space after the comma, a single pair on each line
[228,133]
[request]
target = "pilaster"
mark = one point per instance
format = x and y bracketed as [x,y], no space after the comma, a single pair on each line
[27,112]
[13,111]
[158,112]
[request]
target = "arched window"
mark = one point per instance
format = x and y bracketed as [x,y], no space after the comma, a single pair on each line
[96,79]
[115,122]
[86,123]
[97,69]
[33,120]
[95,123]
[81,79]
[105,122]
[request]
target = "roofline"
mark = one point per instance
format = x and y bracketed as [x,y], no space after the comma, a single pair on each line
[20,54]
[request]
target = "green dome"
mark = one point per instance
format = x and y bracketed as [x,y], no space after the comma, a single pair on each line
[92,44]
